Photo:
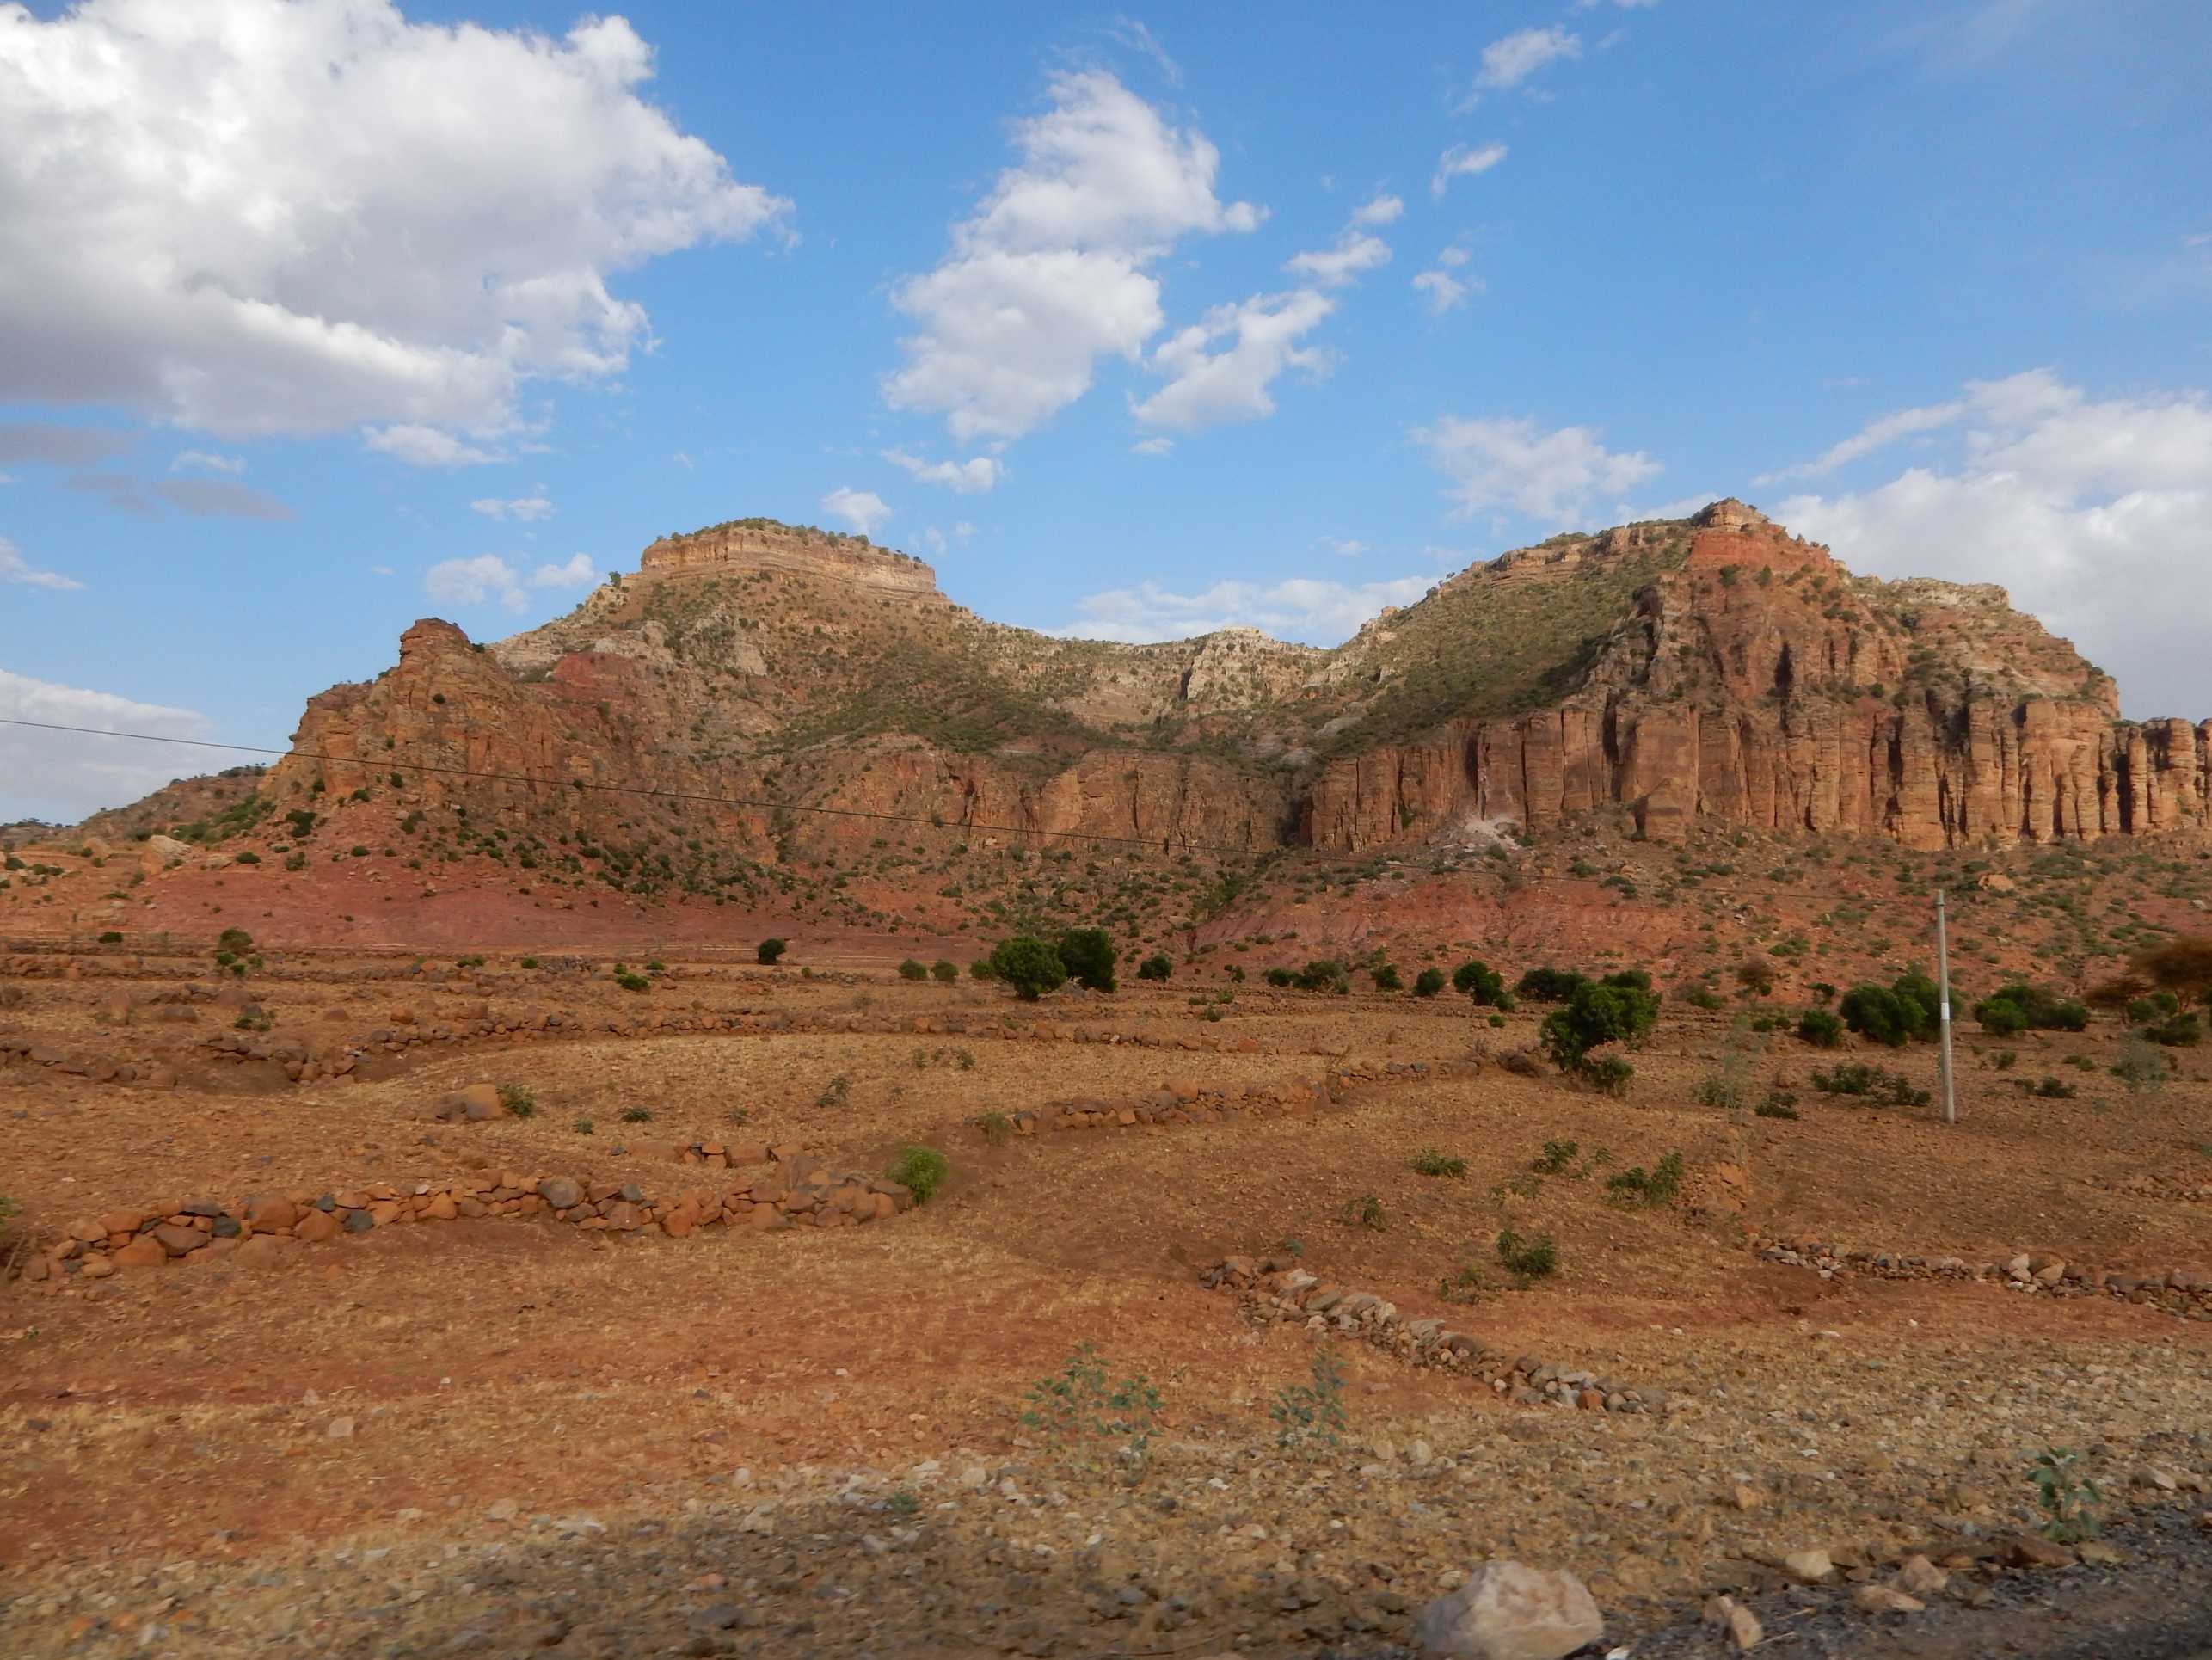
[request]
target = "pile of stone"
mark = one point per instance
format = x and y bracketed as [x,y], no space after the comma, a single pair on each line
[2175,1291]
[1274,1289]
[264,1228]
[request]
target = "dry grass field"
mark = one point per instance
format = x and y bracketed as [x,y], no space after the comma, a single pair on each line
[500,1434]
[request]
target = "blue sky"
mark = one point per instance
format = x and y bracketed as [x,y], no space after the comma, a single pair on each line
[314,319]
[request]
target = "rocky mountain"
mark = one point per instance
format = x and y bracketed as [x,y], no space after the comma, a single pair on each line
[1711,669]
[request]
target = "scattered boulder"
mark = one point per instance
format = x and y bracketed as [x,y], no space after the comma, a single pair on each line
[1808,1567]
[1918,1576]
[1882,1599]
[1509,1611]
[1742,1625]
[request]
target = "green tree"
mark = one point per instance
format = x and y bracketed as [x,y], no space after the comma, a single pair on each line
[1029,965]
[1598,1013]
[1155,966]
[1429,982]
[1088,954]
[770,949]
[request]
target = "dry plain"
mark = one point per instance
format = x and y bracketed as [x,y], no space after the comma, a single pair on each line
[500,1434]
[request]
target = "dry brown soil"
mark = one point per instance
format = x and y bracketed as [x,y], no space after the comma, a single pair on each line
[589,1445]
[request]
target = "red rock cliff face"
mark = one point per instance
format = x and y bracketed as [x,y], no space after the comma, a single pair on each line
[1760,684]
[450,726]
[1750,679]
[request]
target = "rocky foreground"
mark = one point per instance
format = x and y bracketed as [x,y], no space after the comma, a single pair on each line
[1837,1507]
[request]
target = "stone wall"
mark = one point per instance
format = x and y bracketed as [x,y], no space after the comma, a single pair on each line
[263,1229]
[2178,1291]
[1274,1289]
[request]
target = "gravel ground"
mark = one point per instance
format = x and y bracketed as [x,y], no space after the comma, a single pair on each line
[1227,1544]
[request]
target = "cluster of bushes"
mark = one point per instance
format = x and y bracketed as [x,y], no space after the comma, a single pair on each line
[1907,1008]
[1321,974]
[941,971]
[1032,965]
[1855,1078]
[2019,1007]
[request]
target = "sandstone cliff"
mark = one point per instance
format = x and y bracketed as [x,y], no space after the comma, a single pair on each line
[1715,669]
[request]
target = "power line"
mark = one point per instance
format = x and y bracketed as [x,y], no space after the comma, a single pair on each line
[1828,896]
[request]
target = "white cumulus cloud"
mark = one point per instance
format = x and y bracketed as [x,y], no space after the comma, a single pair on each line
[1349,257]
[1379,209]
[426,446]
[207,461]
[1512,58]
[1510,462]
[1440,289]
[1301,608]
[863,510]
[576,572]
[1052,271]
[528,508]
[1462,161]
[64,777]
[485,580]
[299,216]
[1221,369]
[15,569]
[969,478]
[2090,511]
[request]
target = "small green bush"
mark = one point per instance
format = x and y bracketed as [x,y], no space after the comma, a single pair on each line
[1314,1412]
[769,951]
[1155,966]
[997,1128]
[1434,1161]
[1366,1211]
[637,1114]
[1819,1027]
[1385,978]
[1556,1158]
[111,938]
[943,972]
[1649,1188]
[2182,1032]
[911,969]
[921,1171]
[1527,1259]
[1855,1078]
[1083,1411]
[630,981]
[1429,982]
[518,1100]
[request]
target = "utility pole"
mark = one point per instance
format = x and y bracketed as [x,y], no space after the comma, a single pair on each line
[1943,1010]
